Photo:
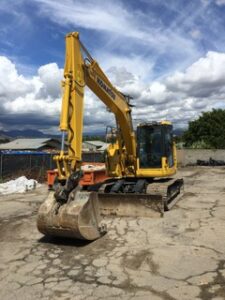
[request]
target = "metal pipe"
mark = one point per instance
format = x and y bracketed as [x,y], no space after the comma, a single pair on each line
[63,141]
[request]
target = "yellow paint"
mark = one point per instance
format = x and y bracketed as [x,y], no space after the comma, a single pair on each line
[121,156]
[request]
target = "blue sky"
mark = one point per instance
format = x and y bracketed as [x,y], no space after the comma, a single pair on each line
[149,48]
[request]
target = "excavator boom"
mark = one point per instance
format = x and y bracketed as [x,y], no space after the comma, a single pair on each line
[80,70]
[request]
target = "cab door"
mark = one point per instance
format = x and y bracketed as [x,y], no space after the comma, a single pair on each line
[168,145]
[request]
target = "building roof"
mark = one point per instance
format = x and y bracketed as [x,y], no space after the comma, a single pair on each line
[103,147]
[96,143]
[26,144]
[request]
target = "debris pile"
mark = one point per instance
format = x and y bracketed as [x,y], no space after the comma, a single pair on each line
[210,162]
[19,185]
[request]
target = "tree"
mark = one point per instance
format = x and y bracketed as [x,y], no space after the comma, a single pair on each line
[208,131]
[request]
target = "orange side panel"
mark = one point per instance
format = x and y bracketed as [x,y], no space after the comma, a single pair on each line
[90,176]
[93,177]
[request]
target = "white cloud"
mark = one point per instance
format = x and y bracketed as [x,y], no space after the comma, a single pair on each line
[20,94]
[124,28]
[156,93]
[50,76]
[29,105]
[203,78]
[126,81]
[36,101]
[220,2]
[12,84]
[105,16]
[23,97]
[182,96]
[179,98]
[195,33]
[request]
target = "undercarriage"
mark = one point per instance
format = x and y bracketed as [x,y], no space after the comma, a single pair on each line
[82,216]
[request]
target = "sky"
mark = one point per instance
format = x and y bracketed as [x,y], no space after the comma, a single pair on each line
[168,55]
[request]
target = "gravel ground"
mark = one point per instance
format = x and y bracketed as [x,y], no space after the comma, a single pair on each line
[180,256]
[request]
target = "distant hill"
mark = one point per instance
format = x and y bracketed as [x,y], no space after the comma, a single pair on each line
[27,133]
[32,133]
[178,131]
[5,136]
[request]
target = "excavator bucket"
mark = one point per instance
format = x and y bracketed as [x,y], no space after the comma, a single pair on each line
[79,218]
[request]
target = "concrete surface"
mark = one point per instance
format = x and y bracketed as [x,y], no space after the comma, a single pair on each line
[181,256]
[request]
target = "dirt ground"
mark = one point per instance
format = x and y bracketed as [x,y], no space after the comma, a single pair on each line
[180,256]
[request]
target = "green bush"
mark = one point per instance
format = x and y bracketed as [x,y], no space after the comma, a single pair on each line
[208,131]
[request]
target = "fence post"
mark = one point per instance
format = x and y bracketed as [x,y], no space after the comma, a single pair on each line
[1,166]
[50,166]
[30,164]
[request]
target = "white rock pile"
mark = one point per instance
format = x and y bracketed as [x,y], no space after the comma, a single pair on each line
[19,185]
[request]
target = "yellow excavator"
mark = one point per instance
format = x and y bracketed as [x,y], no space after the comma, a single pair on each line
[139,163]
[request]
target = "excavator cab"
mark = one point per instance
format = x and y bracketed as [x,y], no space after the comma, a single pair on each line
[156,153]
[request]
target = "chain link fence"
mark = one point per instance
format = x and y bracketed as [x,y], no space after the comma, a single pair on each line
[34,164]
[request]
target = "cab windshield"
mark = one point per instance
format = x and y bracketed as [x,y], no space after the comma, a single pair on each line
[150,148]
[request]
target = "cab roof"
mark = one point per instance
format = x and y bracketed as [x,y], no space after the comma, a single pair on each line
[154,123]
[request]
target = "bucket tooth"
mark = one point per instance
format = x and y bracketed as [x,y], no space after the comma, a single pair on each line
[78,218]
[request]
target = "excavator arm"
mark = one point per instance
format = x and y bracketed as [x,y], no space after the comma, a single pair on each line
[80,70]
